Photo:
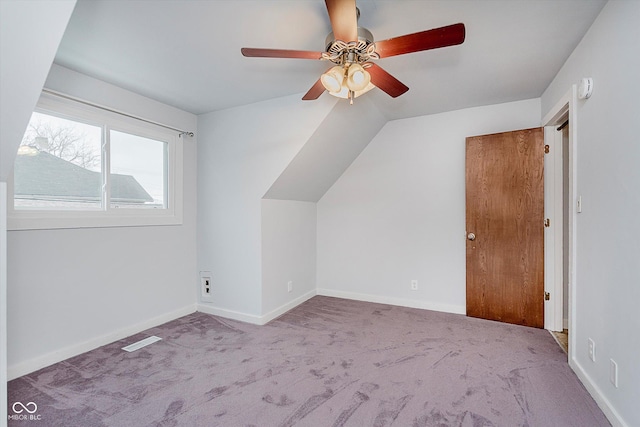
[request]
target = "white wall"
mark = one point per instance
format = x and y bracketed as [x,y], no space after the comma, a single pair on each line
[608,178]
[288,254]
[72,290]
[26,58]
[334,145]
[3,304]
[397,213]
[241,153]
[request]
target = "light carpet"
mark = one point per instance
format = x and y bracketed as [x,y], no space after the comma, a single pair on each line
[328,362]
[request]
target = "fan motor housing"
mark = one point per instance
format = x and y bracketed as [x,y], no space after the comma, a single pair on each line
[364,35]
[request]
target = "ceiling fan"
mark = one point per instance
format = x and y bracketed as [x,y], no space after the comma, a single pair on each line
[352,49]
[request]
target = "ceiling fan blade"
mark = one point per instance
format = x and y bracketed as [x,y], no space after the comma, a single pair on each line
[280,53]
[314,93]
[385,81]
[430,39]
[344,22]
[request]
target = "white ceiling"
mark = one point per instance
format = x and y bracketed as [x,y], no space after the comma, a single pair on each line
[186,53]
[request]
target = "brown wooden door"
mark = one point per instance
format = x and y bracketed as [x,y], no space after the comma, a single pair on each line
[505,212]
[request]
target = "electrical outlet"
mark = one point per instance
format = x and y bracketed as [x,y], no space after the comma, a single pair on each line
[592,350]
[414,285]
[206,286]
[289,286]
[613,373]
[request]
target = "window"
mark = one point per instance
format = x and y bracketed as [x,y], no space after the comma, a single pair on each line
[138,171]
[80,166]
[58,165]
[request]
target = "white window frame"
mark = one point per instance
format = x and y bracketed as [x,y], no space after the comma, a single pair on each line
[107,216]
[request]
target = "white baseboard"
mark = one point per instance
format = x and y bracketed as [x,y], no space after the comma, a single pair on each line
[31,365]
[229,314]
[286,307]
[565,324]
[402,302]
[609,411]
[252,318]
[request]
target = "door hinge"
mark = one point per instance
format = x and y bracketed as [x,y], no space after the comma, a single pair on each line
[546,149]
[547,296]
[547,223]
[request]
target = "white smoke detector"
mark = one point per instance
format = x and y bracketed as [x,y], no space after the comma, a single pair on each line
[585,89]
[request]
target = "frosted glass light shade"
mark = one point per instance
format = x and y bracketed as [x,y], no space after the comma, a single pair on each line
[332,79]
[357,77]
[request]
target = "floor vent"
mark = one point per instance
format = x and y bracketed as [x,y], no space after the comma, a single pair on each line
[142,343]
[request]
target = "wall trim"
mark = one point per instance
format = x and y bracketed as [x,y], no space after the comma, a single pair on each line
[268,317]
[402,302]
[36,363]
[252,318]
[603,403]
[565,106]
[288,306]
[229,314]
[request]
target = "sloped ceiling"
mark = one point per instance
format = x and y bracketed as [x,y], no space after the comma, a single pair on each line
[328,153]
[25,58]
[186,53]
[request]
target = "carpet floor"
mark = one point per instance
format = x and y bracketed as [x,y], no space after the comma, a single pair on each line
[328,362]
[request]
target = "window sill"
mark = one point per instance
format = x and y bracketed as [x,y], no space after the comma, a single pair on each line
[58,220]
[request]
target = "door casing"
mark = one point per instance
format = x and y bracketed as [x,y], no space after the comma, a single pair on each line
[553,248]
[565,107]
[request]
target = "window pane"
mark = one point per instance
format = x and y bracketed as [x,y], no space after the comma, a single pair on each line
[58,165]
[138,171]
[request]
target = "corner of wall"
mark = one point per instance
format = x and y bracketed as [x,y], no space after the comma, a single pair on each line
[231,186]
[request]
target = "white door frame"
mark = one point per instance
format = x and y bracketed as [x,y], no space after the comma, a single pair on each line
[553,238]
[553,206]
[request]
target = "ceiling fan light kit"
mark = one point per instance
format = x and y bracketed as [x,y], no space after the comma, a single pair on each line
[332,80]
[357,77]
[354,72]
[347,81]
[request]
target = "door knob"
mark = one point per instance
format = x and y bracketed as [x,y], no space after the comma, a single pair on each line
[471,236]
